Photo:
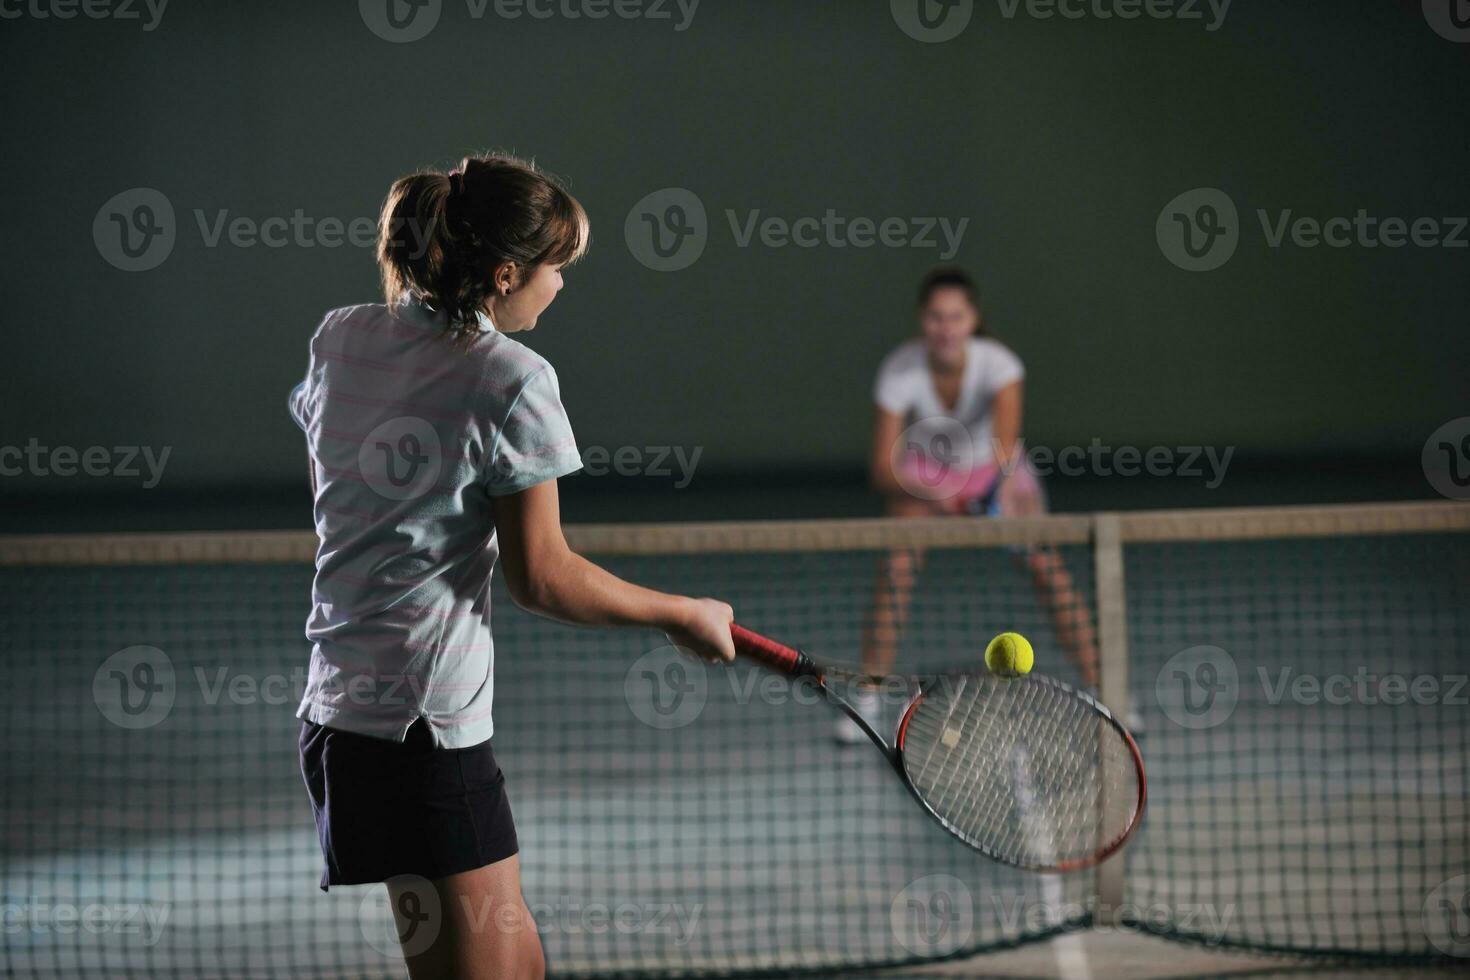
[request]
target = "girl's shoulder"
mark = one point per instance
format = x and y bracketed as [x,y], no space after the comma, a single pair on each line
[356,313]
[990,349]
[989,345]
[508,356]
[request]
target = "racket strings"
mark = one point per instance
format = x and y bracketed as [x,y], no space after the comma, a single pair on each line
[973,792]
[1027,770]
[1058,774]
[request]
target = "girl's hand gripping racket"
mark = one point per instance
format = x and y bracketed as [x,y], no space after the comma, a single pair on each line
[1027,771]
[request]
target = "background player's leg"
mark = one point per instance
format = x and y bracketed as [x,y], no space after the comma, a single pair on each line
[892,590]
[1022,495]
[1067,608]
[888,611]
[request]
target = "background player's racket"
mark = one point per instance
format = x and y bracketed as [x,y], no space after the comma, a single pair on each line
[1027,771]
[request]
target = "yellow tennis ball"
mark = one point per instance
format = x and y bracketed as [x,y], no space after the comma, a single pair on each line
[1010,655]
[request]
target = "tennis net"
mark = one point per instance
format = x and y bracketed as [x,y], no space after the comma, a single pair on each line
[1298,673]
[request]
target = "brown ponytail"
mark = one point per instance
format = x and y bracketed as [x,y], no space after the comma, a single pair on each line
[441,236]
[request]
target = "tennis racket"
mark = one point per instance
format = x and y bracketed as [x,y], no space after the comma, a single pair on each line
[1027,771]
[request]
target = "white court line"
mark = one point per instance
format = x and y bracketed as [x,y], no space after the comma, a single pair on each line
[1070,951]
[1071,957]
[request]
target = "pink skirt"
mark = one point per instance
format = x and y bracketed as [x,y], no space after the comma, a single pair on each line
[958,490]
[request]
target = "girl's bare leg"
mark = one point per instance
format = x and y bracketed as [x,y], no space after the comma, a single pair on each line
[1068,610]
[892,591]
[480,928]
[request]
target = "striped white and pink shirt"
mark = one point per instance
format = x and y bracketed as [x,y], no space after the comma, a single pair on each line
[410,435]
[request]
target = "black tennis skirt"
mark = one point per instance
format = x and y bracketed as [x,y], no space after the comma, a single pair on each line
[387,808]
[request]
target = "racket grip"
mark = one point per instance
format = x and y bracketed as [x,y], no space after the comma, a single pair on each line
[767,652]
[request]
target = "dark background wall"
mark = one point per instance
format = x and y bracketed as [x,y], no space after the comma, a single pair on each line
[1059,140]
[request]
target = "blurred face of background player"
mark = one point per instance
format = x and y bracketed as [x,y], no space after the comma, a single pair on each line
[948,320]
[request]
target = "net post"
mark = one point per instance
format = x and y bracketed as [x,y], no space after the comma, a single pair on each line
[1112,633]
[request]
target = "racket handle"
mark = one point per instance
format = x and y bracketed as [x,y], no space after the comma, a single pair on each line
[767,652]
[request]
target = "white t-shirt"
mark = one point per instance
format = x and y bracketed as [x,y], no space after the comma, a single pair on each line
[410,436]
[905,387]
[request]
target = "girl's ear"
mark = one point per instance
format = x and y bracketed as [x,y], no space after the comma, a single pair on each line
[505,278]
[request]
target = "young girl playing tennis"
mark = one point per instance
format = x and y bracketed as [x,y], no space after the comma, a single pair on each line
[959,391]
[436,441]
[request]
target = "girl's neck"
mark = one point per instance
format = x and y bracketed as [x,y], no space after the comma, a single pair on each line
[955,366]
